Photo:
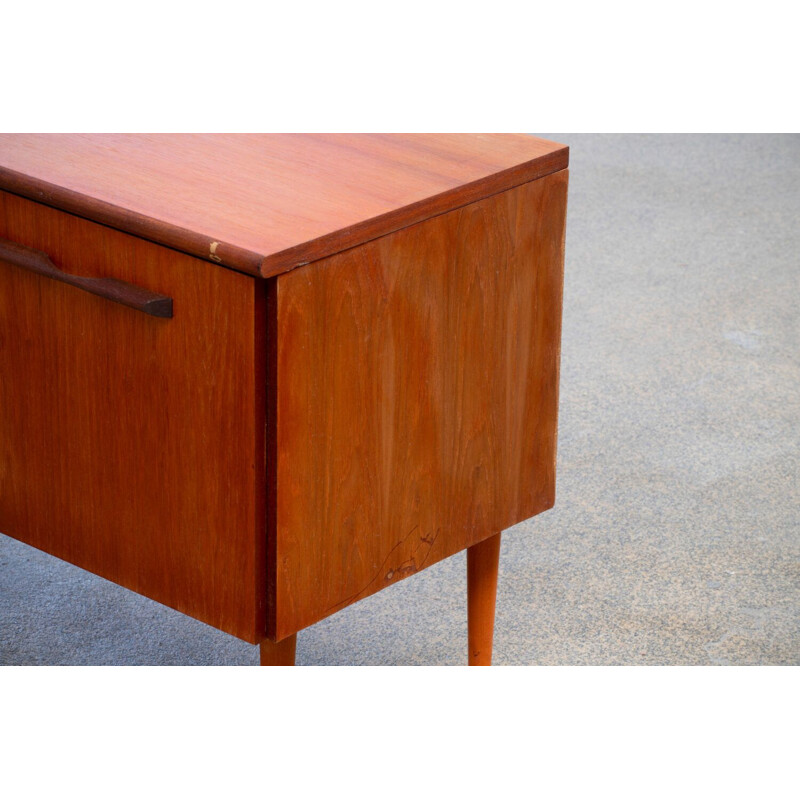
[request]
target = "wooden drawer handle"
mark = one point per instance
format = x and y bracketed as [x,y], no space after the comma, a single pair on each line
[156,305]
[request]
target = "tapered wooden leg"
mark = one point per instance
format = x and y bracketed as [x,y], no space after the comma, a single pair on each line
[279,654]
[482,561]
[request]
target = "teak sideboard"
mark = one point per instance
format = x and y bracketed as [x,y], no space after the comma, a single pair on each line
[260,377]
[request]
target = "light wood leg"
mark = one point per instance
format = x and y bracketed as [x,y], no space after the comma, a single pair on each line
[482,562]
[279,654]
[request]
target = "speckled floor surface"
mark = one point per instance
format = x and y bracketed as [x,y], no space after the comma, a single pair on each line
[676,533]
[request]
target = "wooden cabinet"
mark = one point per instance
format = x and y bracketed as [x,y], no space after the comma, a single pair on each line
[357,377]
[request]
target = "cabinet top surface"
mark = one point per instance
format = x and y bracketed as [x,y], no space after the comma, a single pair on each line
[266,203]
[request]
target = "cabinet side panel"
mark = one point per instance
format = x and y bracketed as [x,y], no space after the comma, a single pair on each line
[132,446]
[418,393]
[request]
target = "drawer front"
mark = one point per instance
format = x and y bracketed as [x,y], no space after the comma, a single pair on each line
[133,445]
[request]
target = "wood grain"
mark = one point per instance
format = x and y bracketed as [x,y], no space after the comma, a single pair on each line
[267,203]
[417,397]
[134,446]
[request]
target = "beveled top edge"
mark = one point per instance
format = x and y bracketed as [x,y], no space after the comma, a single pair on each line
[288,214]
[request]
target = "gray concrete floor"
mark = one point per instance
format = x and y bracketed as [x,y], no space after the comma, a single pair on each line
[676,533]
